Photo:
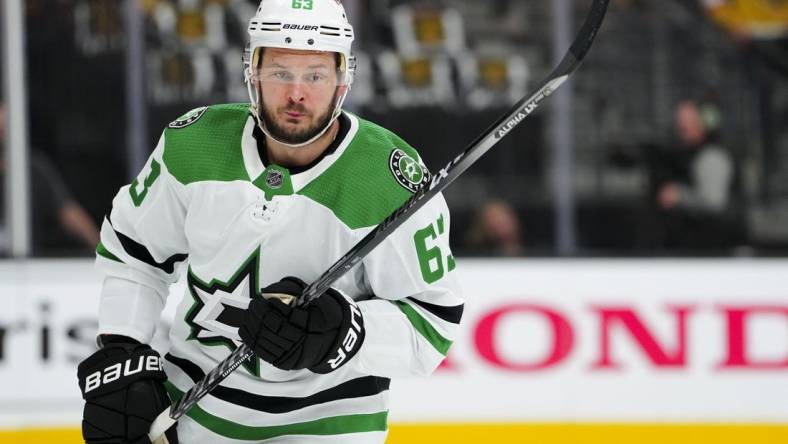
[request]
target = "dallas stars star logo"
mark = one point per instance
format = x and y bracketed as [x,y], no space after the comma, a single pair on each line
[219,307]
[407,171]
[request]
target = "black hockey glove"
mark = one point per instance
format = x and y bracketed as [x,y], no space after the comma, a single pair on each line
[322,336]
[123,388]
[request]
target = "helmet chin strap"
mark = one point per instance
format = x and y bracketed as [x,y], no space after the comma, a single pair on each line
[264,129]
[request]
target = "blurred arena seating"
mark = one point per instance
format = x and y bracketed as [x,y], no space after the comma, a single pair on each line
[439,72]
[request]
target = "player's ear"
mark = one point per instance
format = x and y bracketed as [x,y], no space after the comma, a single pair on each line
[341,90]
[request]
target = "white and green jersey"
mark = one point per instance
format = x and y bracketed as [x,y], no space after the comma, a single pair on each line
[208,198]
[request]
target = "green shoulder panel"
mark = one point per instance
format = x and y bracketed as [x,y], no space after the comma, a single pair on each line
[205,144]
[366,183]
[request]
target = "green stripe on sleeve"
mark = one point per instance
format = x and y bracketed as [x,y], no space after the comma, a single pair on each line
[101,250]
[336,425]
[426,329]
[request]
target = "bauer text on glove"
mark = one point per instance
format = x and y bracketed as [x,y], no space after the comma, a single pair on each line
[123,388]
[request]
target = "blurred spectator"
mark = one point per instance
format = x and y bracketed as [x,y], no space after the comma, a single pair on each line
[693,196]
[60,224]
[495,232]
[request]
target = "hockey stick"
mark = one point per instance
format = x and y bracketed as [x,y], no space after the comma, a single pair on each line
[440,181]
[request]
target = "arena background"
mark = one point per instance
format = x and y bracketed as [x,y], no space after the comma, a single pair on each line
[598,308]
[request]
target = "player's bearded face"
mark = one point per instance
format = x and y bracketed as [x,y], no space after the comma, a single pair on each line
[295,131]
[298,93]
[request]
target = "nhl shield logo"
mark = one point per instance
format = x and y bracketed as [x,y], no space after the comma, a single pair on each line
[274,179]
[188,118]
[407,171]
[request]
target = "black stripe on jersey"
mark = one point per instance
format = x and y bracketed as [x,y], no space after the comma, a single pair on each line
[448,314]
[355,388]
[139,252]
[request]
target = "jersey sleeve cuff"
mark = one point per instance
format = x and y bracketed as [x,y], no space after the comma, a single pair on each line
[129,309]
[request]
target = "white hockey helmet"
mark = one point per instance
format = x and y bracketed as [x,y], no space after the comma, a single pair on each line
[313,25]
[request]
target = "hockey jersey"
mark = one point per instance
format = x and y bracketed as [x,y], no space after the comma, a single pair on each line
[207,202]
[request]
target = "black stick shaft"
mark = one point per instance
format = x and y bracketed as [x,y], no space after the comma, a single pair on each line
[468,157]
[439,182]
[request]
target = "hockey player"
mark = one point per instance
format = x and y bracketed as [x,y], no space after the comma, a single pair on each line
[258,199]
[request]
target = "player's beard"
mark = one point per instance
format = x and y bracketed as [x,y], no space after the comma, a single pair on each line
[295,136]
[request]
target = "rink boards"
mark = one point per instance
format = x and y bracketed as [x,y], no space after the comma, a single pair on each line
[550,351]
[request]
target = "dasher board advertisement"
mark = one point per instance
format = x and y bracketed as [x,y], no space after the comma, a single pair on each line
[542,341]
